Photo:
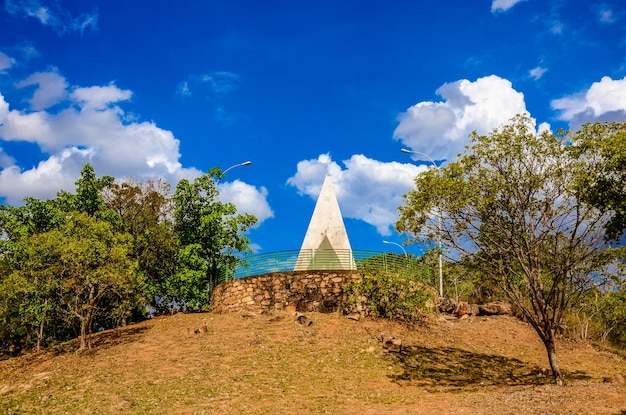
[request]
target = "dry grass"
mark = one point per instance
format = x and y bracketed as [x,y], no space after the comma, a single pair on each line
[269,364]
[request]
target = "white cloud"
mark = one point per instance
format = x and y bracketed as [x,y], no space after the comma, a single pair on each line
[88,125]
[367,189]
[28,51]
[247,198]
[603,101]
[183,89]
[221,82]
[503,5]
[5,62]
[441,129]
[52,15]
[60,171]
[5,160]
[51,89]
[4,109]
[99,97]
[557,27]
[211,84]
[537,73]
[604,14]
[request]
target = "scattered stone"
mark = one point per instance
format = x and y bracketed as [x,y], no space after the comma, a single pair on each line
[495,308]
[390,343]
[291,308]
[462,308]
[304,320]
[538,370]
[393,344]
[616,379]
[328,306]
[447,305]
[354,316]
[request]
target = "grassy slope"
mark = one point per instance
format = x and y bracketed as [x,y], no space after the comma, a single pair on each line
[269,364]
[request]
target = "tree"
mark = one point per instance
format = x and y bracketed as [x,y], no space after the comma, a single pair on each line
[29,287]
[59,265]
[144,210]
[35,216]
[91,263]
[603,146]
[210,234]
[26,284]
[511,205]
[87,198]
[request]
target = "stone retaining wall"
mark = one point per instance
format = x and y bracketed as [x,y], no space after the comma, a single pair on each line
[304,291]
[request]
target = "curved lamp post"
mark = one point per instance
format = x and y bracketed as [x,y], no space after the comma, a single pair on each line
[245,163]
[405,150]
[396,244]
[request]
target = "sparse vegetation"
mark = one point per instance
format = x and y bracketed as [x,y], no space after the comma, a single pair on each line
[390,295]
[522,209]
[269,364]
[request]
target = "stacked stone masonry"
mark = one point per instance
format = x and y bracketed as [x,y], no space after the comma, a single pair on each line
[306,291]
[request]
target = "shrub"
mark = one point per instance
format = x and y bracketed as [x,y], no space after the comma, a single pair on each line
[389,295]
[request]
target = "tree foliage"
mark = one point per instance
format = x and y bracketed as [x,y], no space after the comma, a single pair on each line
[390,295]
[93,263]
[144,210]
[603,184]
[511,204]
[87,198]
[96,258]
[210,233]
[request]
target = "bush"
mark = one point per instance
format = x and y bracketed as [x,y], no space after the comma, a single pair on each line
[389,295]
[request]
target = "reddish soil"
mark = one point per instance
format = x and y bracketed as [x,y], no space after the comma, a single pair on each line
[244,363]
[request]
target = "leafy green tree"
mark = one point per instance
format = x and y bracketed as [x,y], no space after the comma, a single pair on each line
[88,198]
[91,263]
[35,216]
[30,287]
[510,203]
[26,285]
[210,234]
[59,265]
[603,147]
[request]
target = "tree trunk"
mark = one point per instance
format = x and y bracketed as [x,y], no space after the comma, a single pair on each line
[41,327]
[83,333]
[40,334]
[554,362]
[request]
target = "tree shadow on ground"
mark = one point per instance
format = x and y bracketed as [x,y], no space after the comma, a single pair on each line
[102,340]
[454,367]
[114,337]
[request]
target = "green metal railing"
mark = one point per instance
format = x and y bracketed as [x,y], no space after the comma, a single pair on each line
[328,259]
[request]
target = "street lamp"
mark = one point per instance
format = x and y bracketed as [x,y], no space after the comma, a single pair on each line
[222,174]
[405,150]
[397,244]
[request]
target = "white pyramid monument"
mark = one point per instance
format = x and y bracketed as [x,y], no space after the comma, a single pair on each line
[326,244]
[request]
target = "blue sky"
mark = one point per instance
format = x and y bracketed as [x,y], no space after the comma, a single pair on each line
[300,88]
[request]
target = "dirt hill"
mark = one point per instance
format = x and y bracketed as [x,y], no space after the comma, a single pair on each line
[244,363]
